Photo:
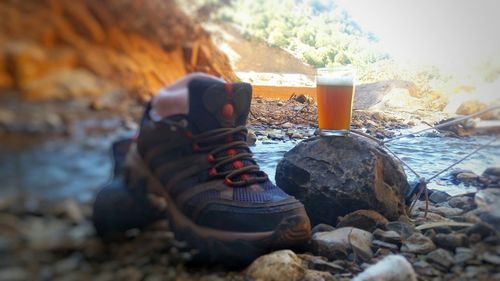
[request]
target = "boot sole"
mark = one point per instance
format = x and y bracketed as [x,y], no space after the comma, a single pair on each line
[233,248]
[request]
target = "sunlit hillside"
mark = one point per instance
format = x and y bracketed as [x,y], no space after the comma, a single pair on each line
[325,34]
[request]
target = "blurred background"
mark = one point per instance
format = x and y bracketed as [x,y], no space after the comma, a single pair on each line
[74,76]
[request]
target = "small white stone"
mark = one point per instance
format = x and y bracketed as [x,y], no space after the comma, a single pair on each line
[390,268]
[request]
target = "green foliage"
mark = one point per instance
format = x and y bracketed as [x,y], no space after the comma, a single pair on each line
[316,30]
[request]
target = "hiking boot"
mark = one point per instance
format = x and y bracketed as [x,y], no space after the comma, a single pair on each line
[117,208]
[218,200]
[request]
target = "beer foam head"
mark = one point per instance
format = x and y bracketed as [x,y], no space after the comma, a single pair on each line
[336,80]
[341,76]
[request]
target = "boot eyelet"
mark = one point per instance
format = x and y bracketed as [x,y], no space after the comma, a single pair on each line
[238,164]
[212,172]
[232,152]
[210,158]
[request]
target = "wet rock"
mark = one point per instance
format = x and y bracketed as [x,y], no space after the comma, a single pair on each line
[443,229]
[443,259]
[463,255]
[467,177]
[492,172]
[334,176]
[418,243]
[364,219]
[493,258]
[390,268]
[430,233]
[342,241]
[445,211]
[275,134]
[251,137]
[404,229]
[463,202]
[389,236]
[438,196]
[450,241]
[322,227]
[322,264]
[382,244]
[491,177]
[424,268]
[488,201]
[283,265]
[482,229]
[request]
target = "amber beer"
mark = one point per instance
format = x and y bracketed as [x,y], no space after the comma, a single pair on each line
[335,93]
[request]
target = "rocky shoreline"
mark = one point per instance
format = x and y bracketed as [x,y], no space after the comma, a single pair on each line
[457,240]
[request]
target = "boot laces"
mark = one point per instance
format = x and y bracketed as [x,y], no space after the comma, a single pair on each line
[236,153]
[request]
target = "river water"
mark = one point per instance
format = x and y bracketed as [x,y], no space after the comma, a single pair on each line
[60,167]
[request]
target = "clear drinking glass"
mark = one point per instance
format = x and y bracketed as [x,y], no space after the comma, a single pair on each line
[335,95]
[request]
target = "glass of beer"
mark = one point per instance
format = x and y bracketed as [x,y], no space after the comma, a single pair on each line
[334,95]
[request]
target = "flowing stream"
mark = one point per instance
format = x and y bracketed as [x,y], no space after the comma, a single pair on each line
[59,167]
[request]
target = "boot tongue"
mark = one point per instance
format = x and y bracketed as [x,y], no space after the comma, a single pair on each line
[214,104]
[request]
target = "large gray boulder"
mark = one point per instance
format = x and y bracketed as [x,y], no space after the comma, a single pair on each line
[333,176]
[386,95]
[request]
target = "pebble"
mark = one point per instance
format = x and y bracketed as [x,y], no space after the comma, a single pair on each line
[438,196]
[467,177]
[382,244]
[319,263]
[440,257]
[492,172]
[13,274]
[68,264]
[463,202]
[404,229]
[463,255]
[424,268]
[275,134]
[450,241]
[389,236]
[418,243]
[301,98]
[390,268]
[283,265]
[482,229]
[445,211]
[340,242]
[129,273]
[251,138]
[491,258]
[322,227]
[443,229]
[72,210]
[364,219]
